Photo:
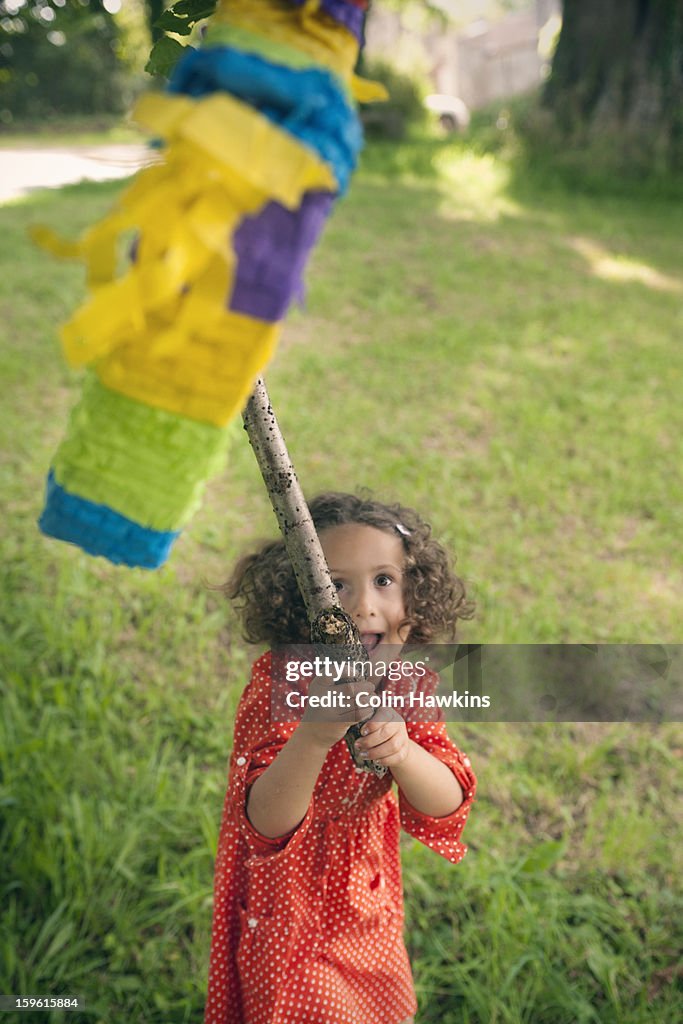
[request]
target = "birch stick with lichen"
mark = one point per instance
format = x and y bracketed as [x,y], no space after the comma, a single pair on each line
[330,625]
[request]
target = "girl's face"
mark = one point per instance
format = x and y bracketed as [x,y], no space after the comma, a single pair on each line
[366,565]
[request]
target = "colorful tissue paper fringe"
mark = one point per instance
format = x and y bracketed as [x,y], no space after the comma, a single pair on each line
[260,135]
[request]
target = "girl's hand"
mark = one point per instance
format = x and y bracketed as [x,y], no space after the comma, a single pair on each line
[385,738]
[325,726]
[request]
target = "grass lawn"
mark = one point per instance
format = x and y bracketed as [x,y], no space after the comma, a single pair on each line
[506,360]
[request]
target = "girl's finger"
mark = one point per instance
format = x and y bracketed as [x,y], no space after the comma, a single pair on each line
[381,736]
[380,718]
[373,733]
[385,750]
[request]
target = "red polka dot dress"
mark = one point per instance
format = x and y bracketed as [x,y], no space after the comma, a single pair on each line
[308,928]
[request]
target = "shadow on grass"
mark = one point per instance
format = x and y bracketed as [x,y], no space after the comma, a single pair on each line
[624,228]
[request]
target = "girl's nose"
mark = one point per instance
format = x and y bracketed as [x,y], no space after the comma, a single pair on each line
[362,604]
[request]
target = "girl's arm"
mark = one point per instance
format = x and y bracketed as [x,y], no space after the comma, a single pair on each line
[279,798]
[428,784]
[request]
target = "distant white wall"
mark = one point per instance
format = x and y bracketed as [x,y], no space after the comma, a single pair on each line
[480,63]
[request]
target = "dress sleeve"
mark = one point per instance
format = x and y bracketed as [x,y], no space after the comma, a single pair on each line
[441,834]
[257,743]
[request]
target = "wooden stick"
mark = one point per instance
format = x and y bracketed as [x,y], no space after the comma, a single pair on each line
[330,625]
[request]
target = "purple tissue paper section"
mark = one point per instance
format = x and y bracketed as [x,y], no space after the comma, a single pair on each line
[347,14]
[272,248]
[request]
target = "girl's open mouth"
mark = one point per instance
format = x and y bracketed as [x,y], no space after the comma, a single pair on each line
[371,640]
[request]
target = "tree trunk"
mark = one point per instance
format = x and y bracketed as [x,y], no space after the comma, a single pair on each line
[617,77]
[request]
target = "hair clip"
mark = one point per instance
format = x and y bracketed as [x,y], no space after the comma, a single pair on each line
[400,528]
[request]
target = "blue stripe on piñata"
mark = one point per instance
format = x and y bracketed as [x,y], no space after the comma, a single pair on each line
[101,531]
[308,104]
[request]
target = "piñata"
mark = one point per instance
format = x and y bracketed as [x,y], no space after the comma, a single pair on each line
[260,135]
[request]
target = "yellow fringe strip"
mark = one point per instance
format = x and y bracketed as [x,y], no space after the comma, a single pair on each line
[161,333]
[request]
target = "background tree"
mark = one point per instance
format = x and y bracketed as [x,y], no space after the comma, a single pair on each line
[617,81]
[68,57]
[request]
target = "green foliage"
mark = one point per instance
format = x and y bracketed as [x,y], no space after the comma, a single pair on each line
[60,58]
[524,133]
[179,19]
[612,158]
[164,56]
[404,108]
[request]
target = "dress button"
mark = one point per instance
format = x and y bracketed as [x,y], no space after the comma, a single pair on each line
[252,922]
[240,761]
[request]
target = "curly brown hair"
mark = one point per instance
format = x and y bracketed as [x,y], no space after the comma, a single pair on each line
[272,610]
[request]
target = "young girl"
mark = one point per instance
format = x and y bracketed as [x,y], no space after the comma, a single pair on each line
[308,902]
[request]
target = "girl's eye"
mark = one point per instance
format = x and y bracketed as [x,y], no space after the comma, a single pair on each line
[337,584]
[383,580]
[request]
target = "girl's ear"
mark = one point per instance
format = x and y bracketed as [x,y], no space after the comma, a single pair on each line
[404,631]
